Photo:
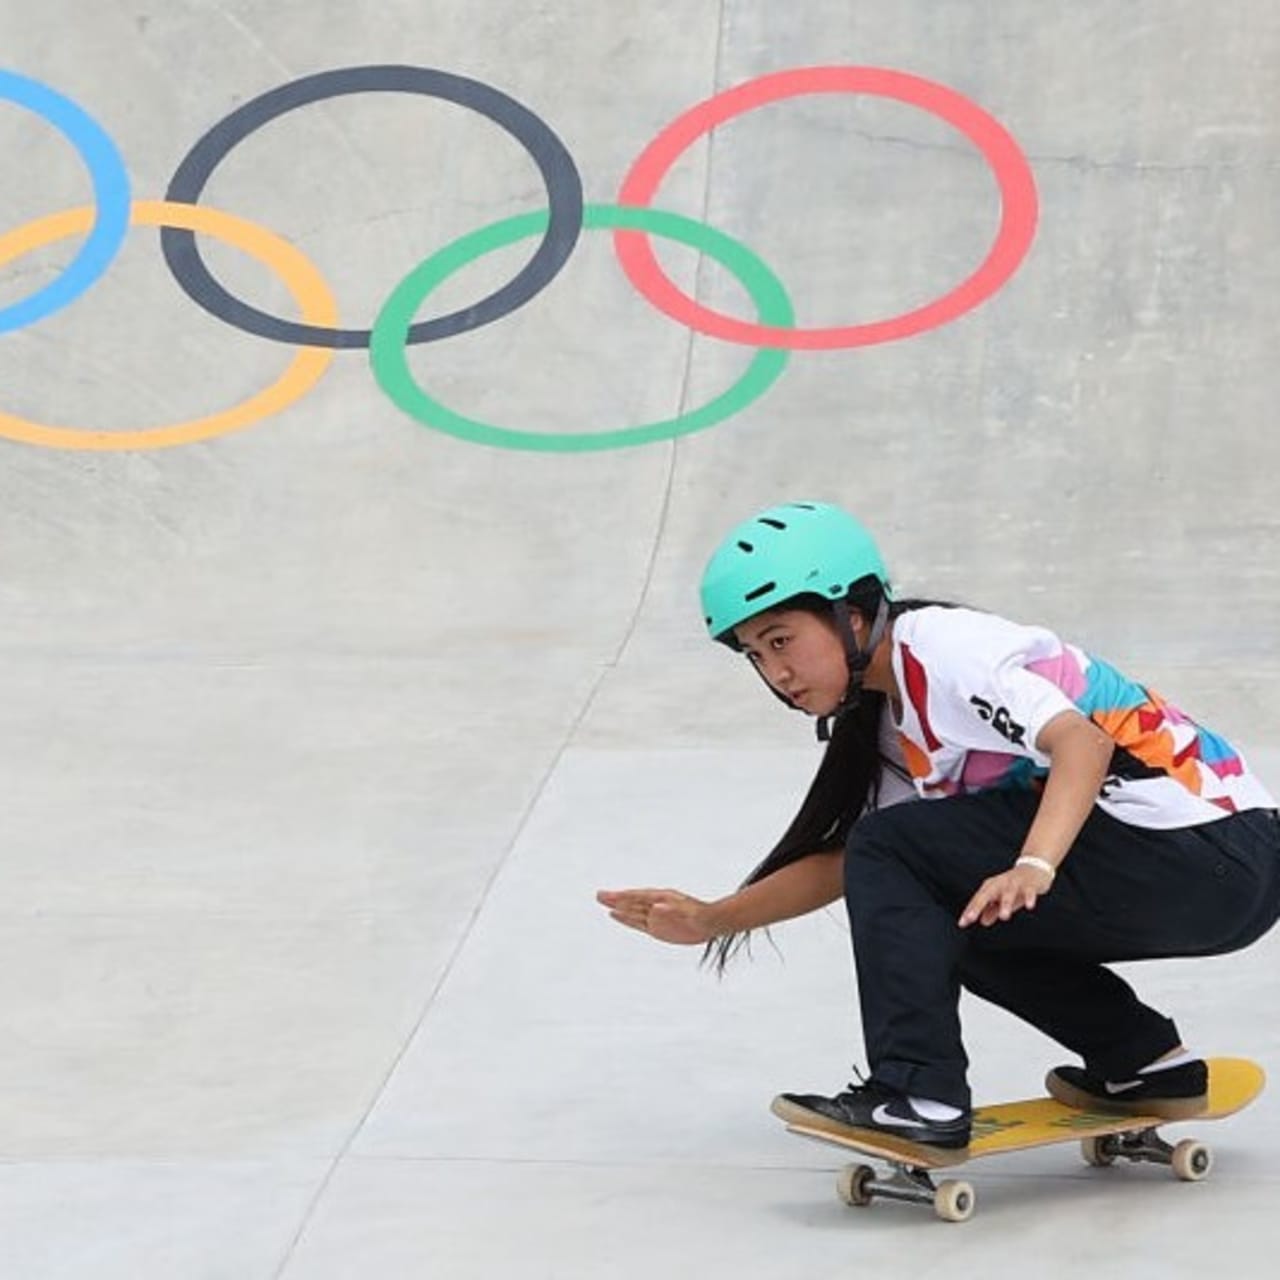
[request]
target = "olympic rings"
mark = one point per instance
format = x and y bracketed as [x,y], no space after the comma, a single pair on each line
[303,280]
[390,367]
[1017,195]
[559,173]
[111,191]
[631,221]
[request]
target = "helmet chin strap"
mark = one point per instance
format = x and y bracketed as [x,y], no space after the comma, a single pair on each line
[858,659]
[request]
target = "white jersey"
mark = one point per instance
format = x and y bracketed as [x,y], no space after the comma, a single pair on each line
[977,690]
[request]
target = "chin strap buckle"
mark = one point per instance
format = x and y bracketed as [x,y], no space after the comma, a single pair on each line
[857,659]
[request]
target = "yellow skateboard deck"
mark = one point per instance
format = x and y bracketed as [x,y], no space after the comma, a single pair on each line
[1017,1126]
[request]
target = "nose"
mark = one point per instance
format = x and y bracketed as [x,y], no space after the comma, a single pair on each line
[777,672]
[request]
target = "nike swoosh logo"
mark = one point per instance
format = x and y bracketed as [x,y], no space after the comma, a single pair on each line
[882,1115]
[1113,1089]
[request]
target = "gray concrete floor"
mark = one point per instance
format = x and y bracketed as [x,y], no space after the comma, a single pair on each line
[319,737]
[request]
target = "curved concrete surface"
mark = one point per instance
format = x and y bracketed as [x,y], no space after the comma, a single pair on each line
[320,736]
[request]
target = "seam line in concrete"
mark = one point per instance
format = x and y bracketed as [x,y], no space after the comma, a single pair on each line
[686,376]
[441,982]
[1075,161]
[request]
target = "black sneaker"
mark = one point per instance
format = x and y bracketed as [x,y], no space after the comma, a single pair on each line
[1172,1094]
[873,1109]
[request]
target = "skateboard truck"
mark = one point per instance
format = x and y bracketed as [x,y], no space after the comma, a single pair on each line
[952,1200]
[1189,1160]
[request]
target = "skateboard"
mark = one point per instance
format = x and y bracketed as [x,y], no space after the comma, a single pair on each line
[1104,1138]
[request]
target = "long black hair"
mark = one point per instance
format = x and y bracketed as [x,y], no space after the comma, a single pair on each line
[846,785]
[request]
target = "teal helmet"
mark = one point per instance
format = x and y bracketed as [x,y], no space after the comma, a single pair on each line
[800,548]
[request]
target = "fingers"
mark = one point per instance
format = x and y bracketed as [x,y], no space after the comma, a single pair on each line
[977,907]
[999,898]
[632,907]
[630,897]
[630,901]
[632,920]
[629,909]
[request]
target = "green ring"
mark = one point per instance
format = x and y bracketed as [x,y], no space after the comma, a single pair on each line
[387,346]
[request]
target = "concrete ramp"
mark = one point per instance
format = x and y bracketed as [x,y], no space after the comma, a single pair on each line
[336,680]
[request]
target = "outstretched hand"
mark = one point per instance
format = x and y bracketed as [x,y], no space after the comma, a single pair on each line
[664,914]
[1000,897]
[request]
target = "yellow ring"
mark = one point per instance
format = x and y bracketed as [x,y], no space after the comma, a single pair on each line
[303,280]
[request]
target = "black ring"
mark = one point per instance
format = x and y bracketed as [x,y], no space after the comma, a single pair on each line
[559,173]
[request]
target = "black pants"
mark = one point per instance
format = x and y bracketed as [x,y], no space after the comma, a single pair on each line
[1123,893]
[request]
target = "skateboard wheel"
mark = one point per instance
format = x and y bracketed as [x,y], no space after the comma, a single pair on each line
[851,1185]
[1098,1152]
[954,1201]
[1191,1160]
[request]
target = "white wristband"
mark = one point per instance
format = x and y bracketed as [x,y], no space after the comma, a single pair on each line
[1030,860]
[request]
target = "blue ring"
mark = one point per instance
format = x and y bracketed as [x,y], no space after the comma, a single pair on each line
[111,193]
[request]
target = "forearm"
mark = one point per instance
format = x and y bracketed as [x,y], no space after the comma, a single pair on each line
[1080,755]
[803,886]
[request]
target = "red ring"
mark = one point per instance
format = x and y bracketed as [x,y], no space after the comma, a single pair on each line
[1018,204]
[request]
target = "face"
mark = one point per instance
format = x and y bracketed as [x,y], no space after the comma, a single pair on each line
[800,655]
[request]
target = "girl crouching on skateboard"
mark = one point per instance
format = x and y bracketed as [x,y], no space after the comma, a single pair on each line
[1070,818]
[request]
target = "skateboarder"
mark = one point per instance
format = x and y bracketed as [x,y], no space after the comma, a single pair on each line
[1067,818]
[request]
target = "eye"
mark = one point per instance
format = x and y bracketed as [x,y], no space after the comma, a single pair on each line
[778,643]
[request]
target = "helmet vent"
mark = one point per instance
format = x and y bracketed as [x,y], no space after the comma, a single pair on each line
[775,524]
[760,591]
[746,546]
